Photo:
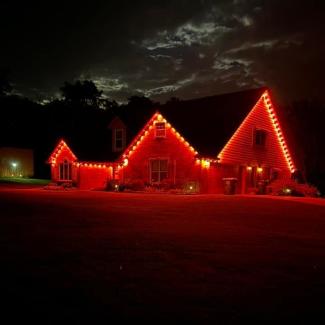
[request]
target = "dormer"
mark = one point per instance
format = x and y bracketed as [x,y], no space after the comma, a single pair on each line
[118,134]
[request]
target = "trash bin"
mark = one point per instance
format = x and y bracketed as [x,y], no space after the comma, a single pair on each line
[229,185]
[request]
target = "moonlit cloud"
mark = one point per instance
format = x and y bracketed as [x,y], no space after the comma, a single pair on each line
[267,45]
[186,35]
[244,20]
[168,88]
[229,63]
[166,48]
[110,84]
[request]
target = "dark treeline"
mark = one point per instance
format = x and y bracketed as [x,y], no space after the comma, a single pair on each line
[83,114]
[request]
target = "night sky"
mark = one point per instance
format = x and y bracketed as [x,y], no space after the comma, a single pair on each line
[165,48]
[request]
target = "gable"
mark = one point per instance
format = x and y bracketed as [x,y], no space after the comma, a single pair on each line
[240,148]
[146,141]
[61,152]
[207,123]
[116,123]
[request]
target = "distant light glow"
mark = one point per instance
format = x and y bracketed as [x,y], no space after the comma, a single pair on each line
[14,164]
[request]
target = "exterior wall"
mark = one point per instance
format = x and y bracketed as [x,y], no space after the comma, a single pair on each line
[240,149]
[93,178]
[241,152]
[16,162]
[181,160]
[65,154]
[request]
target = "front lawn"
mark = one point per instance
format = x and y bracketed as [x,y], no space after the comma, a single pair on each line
[85,257]
[23,180]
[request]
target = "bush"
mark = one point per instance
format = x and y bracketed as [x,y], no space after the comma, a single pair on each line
[112,185]
[135,185]
[290,187]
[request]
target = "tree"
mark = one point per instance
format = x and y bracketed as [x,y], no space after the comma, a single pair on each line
[108,105]
[141,102]
[173,101]
[5,86]
[84,93]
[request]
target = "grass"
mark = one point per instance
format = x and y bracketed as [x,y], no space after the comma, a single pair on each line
[23,180]
[86,257]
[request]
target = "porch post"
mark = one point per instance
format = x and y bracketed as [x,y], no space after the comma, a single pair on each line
[243,180]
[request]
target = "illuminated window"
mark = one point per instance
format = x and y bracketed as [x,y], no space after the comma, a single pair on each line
[119,140]
[158,170]
[65,171]
[160,129]
[260,138]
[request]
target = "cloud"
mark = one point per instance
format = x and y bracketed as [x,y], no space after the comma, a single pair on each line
[109,85]
[267,45]
[189,34]
[169,88]
[245,20]
[225,63]
[156,46]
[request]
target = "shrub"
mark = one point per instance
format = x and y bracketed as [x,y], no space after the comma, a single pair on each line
[135,185]
[290,187]
[166,184]
[112,185]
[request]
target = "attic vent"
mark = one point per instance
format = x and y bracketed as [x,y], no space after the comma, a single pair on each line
[160,129]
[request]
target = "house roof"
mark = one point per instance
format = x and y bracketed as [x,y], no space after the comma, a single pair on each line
[206,123]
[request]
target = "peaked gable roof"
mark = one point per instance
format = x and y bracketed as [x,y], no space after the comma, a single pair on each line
[144,132]
[61,146]
[261,116]
[207,123]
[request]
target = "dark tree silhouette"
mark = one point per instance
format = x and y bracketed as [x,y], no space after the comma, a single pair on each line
[84,93]
[109,105]
[141,102]
[173,101]
[306,132]
[5,86]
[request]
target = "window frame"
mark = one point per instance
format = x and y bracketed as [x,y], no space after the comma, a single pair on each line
[260,144]
[65,171]
[160,132]
[121,138]
[159,171]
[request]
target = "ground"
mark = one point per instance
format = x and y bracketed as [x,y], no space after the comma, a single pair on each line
[83,257]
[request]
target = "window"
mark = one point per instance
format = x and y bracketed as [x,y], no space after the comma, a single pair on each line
[119,140]
[160,129]
[158,170]
[65,171]
[260,138]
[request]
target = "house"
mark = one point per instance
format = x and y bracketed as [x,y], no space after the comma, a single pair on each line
[16,162]
[198,145]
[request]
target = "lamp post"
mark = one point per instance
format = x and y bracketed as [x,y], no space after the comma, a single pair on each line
[13,168]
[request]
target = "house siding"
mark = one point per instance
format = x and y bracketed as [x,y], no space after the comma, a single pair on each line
[241,151]
[65,154]
[181,160]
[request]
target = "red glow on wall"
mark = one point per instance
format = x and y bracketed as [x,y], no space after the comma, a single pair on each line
[156,118]
[239,148]
[61,146]
[277,129]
